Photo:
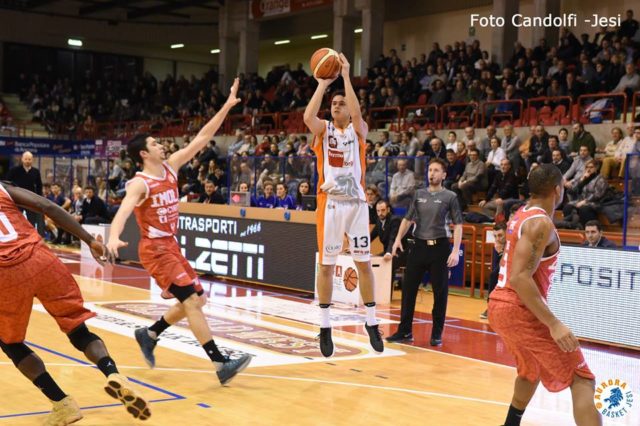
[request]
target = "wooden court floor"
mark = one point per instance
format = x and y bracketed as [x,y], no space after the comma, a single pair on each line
[466,382]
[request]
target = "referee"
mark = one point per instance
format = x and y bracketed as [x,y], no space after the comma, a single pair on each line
[432,209]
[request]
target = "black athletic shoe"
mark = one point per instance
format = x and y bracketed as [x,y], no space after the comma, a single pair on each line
[147,345]
[375,338]
[326,343]
[435,342]
[231,367]
[399,337]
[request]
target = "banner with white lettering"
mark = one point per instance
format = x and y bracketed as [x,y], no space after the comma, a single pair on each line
[596,293]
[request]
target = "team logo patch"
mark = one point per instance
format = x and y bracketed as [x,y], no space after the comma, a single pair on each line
[336,158]
[613,398]
[333,142]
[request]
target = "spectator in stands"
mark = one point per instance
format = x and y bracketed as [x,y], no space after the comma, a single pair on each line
[577,169]
[559,160]
[439,95]
[552,145]
[211,195]
[582,138]
[495,155]
[510,144]
[590,189]
[593,236]
[504,188]
[473,179]
[629,83]
[303,147]
[612,154]
[373,196]
[436,149]
[455,169]
[402,185]
[94,210]
[563,140]
[386,229]
[268,199]
[485,143]
[470,136]
[499,241]
[57,197]
[452,141]
[283,200]
[303,189]
[538,146]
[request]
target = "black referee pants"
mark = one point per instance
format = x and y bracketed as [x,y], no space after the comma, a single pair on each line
[423,258]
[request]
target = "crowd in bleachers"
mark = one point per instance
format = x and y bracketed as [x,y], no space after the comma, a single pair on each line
[459,72]
[278,169]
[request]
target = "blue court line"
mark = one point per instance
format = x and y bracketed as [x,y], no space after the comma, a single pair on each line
[203,405]
[172,396]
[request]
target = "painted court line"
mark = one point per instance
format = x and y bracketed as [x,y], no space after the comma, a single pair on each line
[83,363]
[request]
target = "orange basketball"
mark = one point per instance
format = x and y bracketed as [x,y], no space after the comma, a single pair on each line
[350,279]
[325,63]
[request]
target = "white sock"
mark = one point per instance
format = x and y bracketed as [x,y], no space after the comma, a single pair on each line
[325,321]
[371,315]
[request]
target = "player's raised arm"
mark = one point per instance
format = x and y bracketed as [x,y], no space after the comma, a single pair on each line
[311,111]
[536,234]
[136,192]
[31,201]
[359,124]
[183,156]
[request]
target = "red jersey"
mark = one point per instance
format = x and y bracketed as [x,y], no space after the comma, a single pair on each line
[543,276]
[157,214]
[17,236]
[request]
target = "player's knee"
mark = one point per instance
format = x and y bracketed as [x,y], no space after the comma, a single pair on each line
[184,293]
[16,351]
[192,302]
[81,337]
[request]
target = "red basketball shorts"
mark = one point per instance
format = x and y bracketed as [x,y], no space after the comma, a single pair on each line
[538,357]
[43,276]
[163,260]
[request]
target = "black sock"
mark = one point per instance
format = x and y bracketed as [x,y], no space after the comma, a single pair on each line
[107,366]
[49,388]
[159,326]
[212,350]
[370,304]
[514,417]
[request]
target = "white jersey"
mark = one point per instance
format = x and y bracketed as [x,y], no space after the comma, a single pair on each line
[341,163]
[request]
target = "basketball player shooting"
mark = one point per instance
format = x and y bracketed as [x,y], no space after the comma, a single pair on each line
[545,349]
[342,209]
[153,195]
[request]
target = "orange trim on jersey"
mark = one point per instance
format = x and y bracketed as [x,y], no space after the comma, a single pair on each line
[321,207]
[363,161]
[318,148]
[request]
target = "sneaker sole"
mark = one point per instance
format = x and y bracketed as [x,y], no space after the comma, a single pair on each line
[149,363]
[239,370]
[364,327]
[135,405]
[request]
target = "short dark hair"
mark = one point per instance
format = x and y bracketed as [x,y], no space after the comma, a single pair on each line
[440,161]
[91,187]
[544,179]
[500,226]
[137,144]
[595,223]
[475,150]
[450,151]
[337,93]
[382,200]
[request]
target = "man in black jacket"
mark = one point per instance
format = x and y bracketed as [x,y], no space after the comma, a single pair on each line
[94,210]
[211,195]
[28,177]
[386,228]
[504,187]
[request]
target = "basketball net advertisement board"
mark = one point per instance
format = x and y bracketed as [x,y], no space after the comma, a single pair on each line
[596,293]
[346,280]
